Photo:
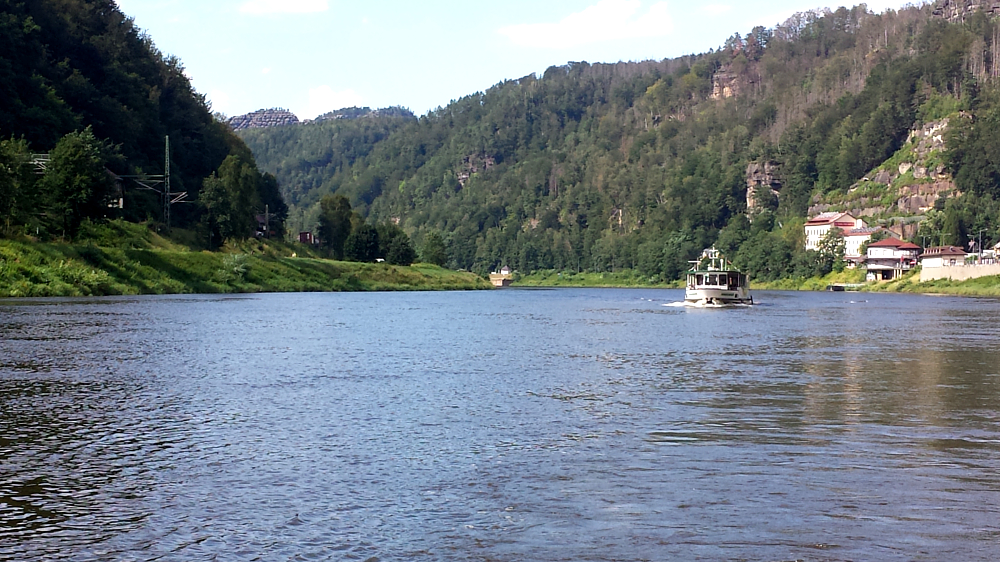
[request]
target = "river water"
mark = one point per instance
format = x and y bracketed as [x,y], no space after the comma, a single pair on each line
[513,425]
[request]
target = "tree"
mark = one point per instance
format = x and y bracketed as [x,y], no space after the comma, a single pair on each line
[387,232]
[272,202]
[401,251]
[231,199]
[434,250]
[76,184]
[362,244]
[334,223]
[831,249]
[16,182]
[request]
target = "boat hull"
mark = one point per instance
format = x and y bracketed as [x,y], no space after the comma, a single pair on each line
[718,296]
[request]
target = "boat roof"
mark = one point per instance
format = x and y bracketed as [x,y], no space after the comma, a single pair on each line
[717,263]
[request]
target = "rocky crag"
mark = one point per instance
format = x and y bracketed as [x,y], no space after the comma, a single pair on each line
[274,117]
[909,184]
[763,185]
[958,10]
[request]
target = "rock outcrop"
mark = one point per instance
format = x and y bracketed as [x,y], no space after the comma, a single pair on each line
[958,10]
[725,84]
[274,117]
[763,184]
[473,164]
[914,185]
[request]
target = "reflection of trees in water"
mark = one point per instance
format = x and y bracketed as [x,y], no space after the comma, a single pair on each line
[893,377]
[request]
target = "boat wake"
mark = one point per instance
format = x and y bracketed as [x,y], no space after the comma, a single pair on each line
[704,304]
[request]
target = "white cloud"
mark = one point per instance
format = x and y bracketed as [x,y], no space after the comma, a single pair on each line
[265,71]
[323,100]
[717,9]
[605,21]
[285,6]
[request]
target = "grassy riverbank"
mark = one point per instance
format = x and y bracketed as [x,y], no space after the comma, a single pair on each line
[123,259]
[983,286]
[553,278]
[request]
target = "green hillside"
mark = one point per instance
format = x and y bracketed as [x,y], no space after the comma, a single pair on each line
[604,167]
[120,258]
[80,83]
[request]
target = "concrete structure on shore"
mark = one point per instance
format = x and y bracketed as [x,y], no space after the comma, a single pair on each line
[502,278]
[959,272]
[948,262]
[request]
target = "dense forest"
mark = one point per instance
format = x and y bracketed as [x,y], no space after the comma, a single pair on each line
[641,165]
[80,83]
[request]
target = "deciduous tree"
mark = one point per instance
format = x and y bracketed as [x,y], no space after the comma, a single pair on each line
[76,184]
[335,223]
[231,200]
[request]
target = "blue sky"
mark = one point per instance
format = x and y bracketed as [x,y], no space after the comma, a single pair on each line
[313,56]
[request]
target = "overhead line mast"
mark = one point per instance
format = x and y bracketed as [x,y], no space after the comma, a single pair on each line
[150,181]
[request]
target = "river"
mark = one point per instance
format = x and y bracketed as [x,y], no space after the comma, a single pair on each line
[514,425]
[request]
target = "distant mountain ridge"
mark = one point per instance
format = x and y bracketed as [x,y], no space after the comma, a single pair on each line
[641,165]
[279,117]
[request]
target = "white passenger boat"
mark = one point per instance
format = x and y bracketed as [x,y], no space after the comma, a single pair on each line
[713,280]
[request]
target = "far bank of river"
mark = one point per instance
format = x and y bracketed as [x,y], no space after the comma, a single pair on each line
[983,286]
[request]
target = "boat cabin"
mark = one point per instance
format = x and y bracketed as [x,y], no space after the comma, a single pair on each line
[729,280]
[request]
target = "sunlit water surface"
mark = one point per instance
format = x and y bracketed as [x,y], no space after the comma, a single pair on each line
[504,425]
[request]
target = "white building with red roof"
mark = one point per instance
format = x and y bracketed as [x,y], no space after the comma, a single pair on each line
[820,225]
[854,239]
[890,258]
[941,256]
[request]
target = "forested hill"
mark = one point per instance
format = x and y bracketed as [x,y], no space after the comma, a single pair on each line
[80,82]
[641,165]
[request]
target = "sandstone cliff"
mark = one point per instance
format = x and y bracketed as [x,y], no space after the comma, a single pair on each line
[275,117]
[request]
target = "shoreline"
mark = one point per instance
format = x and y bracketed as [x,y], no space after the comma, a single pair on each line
[979,287]
[31,269]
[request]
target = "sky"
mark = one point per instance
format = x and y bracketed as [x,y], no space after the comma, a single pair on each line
[315,56]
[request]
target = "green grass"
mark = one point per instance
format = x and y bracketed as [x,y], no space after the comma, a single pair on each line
[130,259]
[554,278]
[979,287]
[849,276]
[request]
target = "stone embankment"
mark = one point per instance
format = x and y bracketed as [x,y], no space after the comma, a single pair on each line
[274,117]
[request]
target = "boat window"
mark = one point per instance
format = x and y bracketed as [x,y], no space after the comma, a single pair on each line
[701,280]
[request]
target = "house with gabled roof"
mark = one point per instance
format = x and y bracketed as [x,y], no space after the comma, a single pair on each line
[889,259]
[819,226]
[855,239]
[940,256]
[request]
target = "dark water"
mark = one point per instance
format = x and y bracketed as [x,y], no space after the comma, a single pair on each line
[507,425]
